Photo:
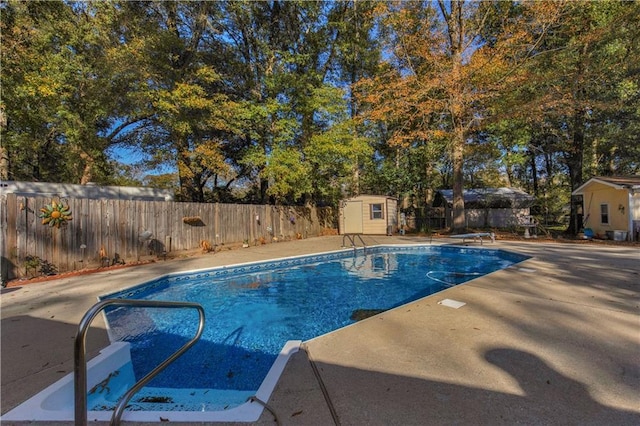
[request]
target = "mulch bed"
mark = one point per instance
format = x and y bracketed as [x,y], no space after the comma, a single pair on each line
[23,281]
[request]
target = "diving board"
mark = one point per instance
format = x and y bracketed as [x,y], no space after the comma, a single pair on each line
[476,236]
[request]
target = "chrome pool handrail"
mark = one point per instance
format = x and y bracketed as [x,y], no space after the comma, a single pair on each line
[80,362]
[352,239]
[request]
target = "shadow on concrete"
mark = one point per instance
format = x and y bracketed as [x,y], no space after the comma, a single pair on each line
[33,359]
[542,396]
[605,340]
[37,352]
[588,269]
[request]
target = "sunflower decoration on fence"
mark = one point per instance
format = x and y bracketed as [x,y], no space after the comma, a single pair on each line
[55,214]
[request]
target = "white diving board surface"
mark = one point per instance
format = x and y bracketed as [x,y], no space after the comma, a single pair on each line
[476,236]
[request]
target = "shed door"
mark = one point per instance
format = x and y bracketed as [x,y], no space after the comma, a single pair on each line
[353,217]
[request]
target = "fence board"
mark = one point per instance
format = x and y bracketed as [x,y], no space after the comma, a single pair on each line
[41,250]
[8,238]
[21,232]
[119,226]
[80,224]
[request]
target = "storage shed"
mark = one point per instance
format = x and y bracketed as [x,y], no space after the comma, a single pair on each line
[91,191]
[488,207]
[611,206]
[369,214]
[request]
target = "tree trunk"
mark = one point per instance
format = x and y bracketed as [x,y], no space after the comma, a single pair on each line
[574,163]
[548,162]
[508,169]
[189,181]
[455,30]
[458,224]
[4,164]
[593,163]
[356,178]
[4,153]
[428,192]
[264,186]
[534,172]
[87,171]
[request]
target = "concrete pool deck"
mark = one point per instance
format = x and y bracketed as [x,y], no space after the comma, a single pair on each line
[554,340]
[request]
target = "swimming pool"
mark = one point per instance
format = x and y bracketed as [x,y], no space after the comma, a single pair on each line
[254,311]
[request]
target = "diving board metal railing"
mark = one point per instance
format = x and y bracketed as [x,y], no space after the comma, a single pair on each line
[352,238]
[80,362]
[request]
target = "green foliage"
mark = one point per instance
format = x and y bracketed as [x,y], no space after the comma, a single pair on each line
[293,102]
[287,174]
[551,205]
[35,266]
[65,86]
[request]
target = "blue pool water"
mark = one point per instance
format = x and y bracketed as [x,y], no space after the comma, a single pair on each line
[252,310]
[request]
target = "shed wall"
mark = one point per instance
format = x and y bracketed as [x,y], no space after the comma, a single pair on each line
[369,225]
[494,218]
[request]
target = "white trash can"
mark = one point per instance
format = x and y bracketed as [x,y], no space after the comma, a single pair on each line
[619,235]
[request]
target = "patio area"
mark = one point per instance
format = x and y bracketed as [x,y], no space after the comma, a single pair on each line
[554,340]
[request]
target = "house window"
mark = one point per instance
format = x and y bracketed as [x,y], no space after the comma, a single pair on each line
[376,211]
[604,214]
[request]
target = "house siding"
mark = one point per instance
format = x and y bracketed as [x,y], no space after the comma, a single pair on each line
[596,194]
[635,206]
[634,201]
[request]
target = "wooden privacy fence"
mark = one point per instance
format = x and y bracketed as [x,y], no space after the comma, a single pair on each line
[106,231]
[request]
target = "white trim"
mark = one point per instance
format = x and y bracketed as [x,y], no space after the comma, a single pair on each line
[580,189]
[608,222]
[60,394]
[381,211]
[630,212]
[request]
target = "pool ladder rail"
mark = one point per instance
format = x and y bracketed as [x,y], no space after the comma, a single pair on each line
[80,361]
[352,238]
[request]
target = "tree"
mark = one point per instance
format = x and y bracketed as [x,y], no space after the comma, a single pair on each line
[67,77]
[284,62]
[583,93]
[295,102]
[449,60]
[31,81]
[186,118]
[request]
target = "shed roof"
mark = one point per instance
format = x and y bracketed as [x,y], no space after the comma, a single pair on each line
[91,191]
[363,196]
[618,182]
[517,198]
